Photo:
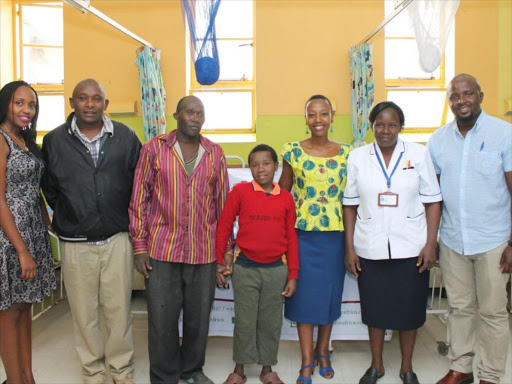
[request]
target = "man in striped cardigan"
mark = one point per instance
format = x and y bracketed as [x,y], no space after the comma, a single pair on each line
[180,187]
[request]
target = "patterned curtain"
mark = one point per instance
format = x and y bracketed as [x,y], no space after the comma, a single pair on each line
[363,90]
[152,91]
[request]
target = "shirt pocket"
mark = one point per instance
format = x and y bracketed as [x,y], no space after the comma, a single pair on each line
[488,163]
[363,232]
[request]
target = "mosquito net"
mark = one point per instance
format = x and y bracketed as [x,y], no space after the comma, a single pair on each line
[200,18]
[432,20]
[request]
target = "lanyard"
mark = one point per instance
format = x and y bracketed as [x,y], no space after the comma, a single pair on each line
[388,178]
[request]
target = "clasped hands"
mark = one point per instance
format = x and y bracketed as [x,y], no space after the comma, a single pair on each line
[226,269]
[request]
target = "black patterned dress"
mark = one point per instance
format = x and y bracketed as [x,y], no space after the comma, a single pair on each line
[23,176]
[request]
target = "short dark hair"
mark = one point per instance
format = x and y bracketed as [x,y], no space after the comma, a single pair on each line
[385,105]
[263,148]
[178,106]
[181,101]
[318,97]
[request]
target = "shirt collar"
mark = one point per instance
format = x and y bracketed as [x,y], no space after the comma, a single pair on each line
[257,188]
[476,127]
[400,147]
[108,126]
[170,139]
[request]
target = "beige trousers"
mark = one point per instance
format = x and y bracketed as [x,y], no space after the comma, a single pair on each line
[98,280]
[477,300]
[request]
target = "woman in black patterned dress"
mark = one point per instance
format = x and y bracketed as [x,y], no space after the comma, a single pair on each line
[26,264]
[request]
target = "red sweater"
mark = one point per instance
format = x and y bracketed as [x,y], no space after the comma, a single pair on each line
[267,226]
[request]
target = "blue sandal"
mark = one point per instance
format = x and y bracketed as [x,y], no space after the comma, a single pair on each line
[326,370]
[306,380]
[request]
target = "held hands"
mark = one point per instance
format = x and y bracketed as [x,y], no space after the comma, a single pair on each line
[224,270]
[28,265]
[142,264]
[220,277]
[352,264]
[506,260]
[290,288]
[228,263]
[427,258]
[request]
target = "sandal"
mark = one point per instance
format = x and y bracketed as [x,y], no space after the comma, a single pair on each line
[306,380]
[235,378]
[271,378]
[326,370]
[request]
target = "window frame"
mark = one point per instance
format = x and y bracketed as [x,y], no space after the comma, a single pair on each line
[242,85]
[46,89]
[420,85]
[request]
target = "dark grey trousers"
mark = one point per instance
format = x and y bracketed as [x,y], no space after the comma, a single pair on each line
[170,288]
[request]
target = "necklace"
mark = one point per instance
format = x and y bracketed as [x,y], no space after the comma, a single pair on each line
[20,141]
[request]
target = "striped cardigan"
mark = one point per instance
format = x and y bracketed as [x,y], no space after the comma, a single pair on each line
[173,217]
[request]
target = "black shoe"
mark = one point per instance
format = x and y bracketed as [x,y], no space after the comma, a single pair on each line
[371,376]
[409,378]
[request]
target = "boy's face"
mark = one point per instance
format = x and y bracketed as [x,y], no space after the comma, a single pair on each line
[263,167]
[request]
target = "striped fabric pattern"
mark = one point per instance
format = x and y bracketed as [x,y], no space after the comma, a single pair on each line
[173,217]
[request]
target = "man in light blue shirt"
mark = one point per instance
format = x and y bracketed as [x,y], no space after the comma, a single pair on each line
[473,159]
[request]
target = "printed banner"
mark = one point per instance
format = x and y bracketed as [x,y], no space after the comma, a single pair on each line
[347,327]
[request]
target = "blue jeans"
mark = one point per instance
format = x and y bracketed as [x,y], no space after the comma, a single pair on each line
[170,288]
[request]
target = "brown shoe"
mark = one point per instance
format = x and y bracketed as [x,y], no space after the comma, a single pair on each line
[454,377]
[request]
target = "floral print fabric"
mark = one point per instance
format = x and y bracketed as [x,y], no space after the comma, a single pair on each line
[363,91]
[152,92]
[318,185]
[23,177]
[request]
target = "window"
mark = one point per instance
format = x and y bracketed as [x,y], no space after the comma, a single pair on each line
[230,102]
[40,57]
[422,96]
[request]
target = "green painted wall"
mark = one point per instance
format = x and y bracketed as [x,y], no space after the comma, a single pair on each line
[273,130]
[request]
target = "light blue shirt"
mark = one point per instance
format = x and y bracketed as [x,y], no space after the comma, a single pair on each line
[476,200]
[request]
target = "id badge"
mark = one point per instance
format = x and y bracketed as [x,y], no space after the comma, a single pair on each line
[388,199]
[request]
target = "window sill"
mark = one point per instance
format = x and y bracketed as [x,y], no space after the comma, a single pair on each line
[421,138]
[231,137]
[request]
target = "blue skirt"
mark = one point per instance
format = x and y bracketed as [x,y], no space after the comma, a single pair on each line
[321,277]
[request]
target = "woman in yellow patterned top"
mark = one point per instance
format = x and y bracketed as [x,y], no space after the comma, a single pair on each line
[316,168]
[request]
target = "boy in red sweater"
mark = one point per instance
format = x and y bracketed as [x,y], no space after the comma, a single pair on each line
[266,219]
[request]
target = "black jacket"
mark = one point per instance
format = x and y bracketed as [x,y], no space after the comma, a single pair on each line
[89,202]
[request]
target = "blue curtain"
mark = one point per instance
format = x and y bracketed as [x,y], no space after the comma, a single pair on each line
[363,90]
[152,91]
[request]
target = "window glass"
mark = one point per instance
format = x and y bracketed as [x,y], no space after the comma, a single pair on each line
[43,26]
[236,60]
[234,19]
[51,112]
[421,108]
[43,65]
[402,61]
[400,26]
[227,110]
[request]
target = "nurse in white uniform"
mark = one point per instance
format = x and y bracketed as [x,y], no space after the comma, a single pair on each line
[391,216]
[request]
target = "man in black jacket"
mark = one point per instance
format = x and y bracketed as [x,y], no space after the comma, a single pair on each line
[88,182]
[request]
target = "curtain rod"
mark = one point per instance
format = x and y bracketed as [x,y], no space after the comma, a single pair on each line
[399,8]
[85,6]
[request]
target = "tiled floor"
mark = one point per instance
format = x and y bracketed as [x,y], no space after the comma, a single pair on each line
[55,360]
